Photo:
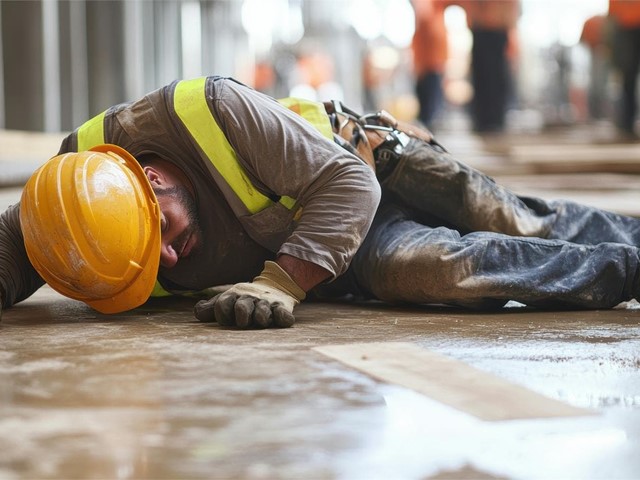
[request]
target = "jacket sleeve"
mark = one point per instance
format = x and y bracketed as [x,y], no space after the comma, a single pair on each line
[285,155]
[18,278]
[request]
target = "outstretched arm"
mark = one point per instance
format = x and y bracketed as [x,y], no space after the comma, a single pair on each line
[336,198]
[284,155]
[269,300]
[306,274]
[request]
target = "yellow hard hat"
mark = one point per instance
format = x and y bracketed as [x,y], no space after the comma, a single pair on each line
[91,226]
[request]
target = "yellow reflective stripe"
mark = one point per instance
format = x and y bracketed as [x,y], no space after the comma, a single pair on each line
[311,111]
[158,291]
[191,106]
[91,133]
[288,202]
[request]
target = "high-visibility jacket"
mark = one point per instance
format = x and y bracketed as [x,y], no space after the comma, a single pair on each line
[491,14]
[626,13]
[429,43]
[178,123]
[191,106]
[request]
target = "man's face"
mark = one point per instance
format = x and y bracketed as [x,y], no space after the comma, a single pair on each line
[180,231]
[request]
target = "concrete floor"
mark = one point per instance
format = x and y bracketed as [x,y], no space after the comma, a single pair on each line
[155,394]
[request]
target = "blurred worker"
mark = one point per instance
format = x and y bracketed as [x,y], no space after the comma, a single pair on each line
[315,79]
[234,186]
[264,77]
[430,52]
[594,37]
[626,51]
[492,22]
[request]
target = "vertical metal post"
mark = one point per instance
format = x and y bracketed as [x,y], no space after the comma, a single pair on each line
[79,62]
[51,66]
[167,41]
[133,49]
[147,62]
[2,107]
[224,39]
[191,39]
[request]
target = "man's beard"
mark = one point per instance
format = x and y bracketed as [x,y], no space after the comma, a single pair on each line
[180,194]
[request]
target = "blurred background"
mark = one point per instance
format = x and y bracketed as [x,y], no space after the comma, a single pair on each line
[63,61]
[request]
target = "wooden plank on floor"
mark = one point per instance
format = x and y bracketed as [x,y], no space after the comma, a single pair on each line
[449,381]
[623,158]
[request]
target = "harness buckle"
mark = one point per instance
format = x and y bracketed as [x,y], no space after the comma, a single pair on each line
[388,153]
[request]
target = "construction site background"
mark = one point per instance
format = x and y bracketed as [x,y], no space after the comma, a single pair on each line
[62,61]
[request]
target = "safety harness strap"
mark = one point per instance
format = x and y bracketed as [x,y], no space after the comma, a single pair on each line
[313,112]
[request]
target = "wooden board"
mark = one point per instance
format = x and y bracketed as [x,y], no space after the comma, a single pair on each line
[449,381]
[621,158]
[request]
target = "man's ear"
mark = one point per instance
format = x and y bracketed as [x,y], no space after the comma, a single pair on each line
[154,176]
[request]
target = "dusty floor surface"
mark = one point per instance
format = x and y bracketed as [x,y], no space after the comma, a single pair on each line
[155,394]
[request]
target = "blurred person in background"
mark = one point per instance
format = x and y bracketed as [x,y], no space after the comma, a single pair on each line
[314,76]
[430,51]
[264,77]
[626,56]
[492,24]
[594,38]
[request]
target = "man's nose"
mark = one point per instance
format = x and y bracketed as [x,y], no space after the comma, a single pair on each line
[168,256]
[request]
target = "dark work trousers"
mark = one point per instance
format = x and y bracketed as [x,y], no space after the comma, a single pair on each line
[430,97]
[628,50]
[446,233]
[490,77]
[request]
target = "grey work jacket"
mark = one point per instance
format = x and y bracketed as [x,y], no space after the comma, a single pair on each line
[282,154]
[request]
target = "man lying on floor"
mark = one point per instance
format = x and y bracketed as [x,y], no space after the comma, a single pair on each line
[208,182]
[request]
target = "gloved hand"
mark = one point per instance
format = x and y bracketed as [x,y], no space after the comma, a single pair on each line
[268,301]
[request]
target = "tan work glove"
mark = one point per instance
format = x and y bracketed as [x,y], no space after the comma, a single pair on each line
[266,302]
